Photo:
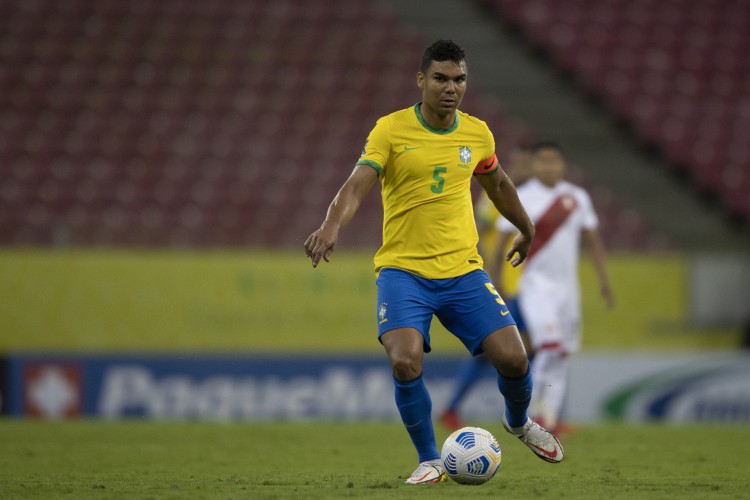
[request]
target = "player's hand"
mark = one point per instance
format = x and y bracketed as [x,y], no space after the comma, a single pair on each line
[322,243]
[520,248]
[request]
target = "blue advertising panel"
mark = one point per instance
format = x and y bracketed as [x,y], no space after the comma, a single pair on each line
[221,387]
[633,387]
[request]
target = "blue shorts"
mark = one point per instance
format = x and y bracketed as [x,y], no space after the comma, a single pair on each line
[468,306]
[515,311]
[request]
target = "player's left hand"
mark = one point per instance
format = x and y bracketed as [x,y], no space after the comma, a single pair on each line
[322,243]
[520,248]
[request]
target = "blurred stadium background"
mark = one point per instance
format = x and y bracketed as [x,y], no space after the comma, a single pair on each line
[161,164]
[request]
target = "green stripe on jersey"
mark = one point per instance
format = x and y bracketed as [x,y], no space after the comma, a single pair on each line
[372,164]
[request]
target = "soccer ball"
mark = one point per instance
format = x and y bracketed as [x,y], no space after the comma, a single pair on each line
[471,456]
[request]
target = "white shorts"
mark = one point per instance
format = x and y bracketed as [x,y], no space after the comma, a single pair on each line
[552,314]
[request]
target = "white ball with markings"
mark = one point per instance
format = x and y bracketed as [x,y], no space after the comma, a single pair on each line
[471,456]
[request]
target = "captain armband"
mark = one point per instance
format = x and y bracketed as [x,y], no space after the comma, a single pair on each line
[487,166]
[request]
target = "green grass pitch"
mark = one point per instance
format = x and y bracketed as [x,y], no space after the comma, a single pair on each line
[147,460]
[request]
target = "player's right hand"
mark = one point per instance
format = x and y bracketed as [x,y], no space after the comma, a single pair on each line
[322,243]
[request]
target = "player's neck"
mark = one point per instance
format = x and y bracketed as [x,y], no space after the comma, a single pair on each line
[435,120]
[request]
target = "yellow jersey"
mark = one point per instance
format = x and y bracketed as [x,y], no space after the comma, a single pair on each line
[425,176]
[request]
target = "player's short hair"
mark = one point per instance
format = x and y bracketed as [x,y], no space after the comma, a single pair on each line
[442,50]
[539,146]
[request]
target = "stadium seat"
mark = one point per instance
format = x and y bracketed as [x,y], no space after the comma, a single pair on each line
[677,71]
[205,124]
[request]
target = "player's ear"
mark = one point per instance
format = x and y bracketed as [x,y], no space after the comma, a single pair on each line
[420,80]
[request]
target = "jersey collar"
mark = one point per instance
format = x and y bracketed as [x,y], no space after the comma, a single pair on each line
[426,125]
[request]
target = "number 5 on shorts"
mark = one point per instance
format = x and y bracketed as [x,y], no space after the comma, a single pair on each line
[492,290]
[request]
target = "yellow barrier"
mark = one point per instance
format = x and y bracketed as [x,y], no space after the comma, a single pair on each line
[264,301]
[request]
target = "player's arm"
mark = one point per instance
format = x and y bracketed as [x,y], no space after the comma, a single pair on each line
[595,248]
[503,194]
[322,242]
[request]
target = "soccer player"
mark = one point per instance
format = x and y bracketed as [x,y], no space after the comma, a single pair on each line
[425,157]
[549,295]
[473,369]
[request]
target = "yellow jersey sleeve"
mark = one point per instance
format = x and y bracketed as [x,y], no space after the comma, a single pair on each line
[489,163]
[377,148]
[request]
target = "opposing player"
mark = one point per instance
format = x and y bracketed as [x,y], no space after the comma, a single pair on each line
[425,157]
[472,370]
[549,295]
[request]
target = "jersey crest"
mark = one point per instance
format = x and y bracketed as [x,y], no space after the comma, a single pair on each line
[464,155]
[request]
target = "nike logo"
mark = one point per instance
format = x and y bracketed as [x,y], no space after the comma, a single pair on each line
[504,313]
[410,148]
[550,454]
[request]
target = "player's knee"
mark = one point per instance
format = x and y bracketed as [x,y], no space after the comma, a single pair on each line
[514,366]
[406,367]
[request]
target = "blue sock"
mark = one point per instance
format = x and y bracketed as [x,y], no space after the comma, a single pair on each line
[415,406]
[468,374]
[517,394]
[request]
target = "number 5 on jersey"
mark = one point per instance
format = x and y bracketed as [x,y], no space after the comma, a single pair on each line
[437,187]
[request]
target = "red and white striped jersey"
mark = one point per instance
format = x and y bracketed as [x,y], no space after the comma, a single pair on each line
[560,213]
